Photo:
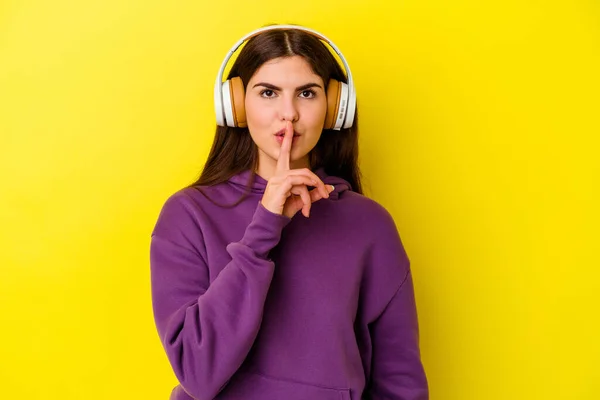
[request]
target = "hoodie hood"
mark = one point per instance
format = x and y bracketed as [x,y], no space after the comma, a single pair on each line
[259,184]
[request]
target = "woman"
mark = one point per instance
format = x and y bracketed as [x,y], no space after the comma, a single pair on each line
[273,277]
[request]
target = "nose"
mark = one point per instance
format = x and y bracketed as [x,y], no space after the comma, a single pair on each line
[288,109]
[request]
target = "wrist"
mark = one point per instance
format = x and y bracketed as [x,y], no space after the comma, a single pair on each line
[271,208]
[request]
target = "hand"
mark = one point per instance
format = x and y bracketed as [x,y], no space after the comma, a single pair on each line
[287,192]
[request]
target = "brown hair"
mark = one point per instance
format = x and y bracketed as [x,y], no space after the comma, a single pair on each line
[233,149]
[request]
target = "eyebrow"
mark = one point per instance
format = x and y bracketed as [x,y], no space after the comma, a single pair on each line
[273,87]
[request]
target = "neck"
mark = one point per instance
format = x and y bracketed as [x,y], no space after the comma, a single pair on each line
[268,166]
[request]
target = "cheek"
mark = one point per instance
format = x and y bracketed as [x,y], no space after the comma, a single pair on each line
[250,109]
[321,108]
[317,115]
[259,123]
[256,114]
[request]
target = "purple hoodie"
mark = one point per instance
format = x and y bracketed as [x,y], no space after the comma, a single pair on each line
[253,305]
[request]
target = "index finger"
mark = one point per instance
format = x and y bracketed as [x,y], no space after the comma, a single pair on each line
[283,162]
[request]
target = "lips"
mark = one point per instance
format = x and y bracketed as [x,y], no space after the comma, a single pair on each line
[281,133]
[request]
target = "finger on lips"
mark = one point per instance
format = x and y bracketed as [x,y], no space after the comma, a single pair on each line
[297,181]
[283,162]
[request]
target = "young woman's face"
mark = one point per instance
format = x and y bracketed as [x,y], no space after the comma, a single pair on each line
[285,89]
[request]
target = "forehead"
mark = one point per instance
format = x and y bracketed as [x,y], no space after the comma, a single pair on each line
[290,69]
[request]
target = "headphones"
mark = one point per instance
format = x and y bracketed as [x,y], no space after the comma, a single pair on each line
[229,95]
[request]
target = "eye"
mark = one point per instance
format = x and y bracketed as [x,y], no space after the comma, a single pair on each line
[308,94]
[267,93]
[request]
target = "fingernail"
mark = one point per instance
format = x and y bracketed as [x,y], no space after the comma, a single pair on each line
[332,188]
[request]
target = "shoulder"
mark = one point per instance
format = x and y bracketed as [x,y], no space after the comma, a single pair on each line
[181,214]
[184,202]
[367,213]
[197,200]
[377,226]
[385,261]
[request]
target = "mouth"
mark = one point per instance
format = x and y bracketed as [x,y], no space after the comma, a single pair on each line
[281,133]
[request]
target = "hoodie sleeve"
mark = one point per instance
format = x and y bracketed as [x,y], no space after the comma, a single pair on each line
[397,372]
[208,328]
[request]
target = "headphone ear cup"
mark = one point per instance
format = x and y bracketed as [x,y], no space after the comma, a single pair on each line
[233,102]
[333,101]
[337,104]
[238,96]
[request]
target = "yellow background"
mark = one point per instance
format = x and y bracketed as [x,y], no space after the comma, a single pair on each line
[480,124]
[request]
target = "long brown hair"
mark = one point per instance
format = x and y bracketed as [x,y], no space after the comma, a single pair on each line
[233,149]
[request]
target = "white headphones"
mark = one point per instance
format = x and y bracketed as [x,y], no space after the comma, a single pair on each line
[229,95]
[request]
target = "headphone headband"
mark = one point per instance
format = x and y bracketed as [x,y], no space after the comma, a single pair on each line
[218,93]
